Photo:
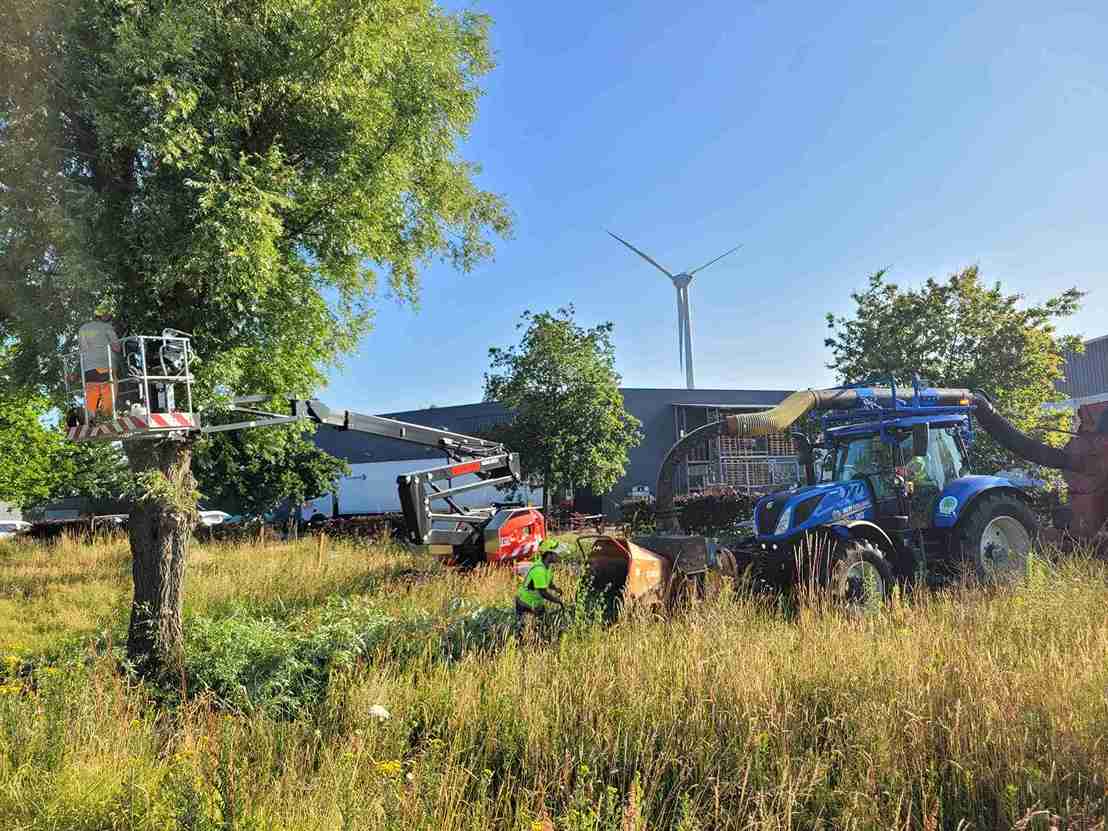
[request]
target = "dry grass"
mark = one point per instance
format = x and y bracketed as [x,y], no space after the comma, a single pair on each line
[964,710]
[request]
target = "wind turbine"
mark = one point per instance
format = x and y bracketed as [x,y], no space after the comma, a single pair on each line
[684,322]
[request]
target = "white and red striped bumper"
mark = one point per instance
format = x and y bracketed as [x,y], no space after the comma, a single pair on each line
[130,426]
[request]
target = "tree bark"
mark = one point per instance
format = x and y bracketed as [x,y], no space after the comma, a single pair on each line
[160,527]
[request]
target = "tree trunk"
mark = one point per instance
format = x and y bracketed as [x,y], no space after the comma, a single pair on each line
[547,498]
[161,525]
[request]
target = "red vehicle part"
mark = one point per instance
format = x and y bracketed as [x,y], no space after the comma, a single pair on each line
[514,534]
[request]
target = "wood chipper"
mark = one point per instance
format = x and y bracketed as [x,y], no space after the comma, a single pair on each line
[654,573]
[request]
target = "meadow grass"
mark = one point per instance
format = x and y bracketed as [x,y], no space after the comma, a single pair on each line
[972,708]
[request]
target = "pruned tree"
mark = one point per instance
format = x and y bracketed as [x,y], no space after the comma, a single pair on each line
[961,333]
[569,423]
[250,172]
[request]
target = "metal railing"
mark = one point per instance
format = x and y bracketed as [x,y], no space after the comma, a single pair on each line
[147,374]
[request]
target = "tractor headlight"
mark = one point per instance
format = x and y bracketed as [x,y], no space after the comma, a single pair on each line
[785,521]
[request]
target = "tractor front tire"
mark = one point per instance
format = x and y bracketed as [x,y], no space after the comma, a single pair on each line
[860,578]
[994,540]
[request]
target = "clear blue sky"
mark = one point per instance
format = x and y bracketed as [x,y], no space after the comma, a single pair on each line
[831,139]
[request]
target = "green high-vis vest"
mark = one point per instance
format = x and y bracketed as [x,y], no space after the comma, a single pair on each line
[538,577]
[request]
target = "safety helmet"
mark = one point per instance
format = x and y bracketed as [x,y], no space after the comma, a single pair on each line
[548,544]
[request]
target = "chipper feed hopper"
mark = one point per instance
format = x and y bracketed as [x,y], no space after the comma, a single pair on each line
[895,503]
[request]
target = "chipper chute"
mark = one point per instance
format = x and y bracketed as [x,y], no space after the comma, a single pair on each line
[650,572]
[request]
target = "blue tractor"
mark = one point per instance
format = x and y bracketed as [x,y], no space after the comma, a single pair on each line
[893,501]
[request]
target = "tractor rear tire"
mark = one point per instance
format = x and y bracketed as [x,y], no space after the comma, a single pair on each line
[860,578]
[994,540]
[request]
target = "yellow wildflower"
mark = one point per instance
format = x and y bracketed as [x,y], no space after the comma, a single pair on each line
[392,767]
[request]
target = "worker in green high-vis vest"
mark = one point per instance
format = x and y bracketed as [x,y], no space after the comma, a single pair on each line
[538,583]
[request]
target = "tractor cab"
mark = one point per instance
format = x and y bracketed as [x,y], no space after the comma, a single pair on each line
[905,466]
[895,476]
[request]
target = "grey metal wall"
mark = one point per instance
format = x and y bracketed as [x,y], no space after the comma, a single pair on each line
[1087,373]
[652,407]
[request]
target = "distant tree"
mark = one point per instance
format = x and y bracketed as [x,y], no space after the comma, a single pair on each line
[236,169]
[30,451]
[38,465]
[961,333]
[569,423]
[253,471]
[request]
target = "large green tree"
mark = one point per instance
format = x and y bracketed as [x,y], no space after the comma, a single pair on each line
[248,171]
[960,333]
[569,423]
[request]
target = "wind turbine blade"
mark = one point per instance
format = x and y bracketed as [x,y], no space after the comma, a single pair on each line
[716,260]
[646,257]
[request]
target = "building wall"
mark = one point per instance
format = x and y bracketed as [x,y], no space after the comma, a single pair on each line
[1087,373]
[654,408]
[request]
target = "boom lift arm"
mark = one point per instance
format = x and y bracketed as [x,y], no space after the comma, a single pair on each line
[490,462]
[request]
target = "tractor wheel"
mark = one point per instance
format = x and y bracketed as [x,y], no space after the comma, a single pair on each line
[860,578]
[996,537]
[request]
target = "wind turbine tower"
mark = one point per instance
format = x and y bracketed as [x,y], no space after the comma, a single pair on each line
[684,319]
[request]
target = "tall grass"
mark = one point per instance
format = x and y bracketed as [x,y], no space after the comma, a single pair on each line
[968,709]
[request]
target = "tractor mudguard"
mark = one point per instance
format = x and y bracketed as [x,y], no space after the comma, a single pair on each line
[961,493]
[861,529]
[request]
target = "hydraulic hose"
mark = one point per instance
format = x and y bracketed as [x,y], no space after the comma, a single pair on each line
[798,404]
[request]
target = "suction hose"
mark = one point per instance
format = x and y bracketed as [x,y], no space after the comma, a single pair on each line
[1008,437]
[799,404]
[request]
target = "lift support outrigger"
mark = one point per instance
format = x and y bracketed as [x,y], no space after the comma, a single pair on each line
[156,375]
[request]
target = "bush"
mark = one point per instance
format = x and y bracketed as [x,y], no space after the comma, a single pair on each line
[716,513]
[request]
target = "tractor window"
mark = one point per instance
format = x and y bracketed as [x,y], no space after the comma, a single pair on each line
[944,461]
[866,457]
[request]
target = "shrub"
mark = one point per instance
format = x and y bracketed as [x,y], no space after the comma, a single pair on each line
[719,512]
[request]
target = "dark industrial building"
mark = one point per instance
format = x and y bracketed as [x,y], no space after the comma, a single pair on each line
[1087,374]
[755,464]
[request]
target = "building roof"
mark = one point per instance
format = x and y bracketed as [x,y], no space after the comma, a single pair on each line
[1087,373]
[645,403]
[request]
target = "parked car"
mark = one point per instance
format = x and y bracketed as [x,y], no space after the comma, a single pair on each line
[210,518]
[13,527]
[639,493]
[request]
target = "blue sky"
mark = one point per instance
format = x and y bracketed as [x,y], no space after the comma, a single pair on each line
[830,139]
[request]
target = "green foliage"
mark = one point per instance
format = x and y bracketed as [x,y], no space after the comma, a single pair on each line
[37,464]
[715,514]
[960,333]
[239,171]
[29,451]
[569,426]
[251,472]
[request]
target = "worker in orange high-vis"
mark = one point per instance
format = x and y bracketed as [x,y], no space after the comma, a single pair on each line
[99,349]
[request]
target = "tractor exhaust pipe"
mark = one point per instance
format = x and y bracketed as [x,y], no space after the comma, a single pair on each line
[800,403]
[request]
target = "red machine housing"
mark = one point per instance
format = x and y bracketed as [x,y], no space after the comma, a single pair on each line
[513,535]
